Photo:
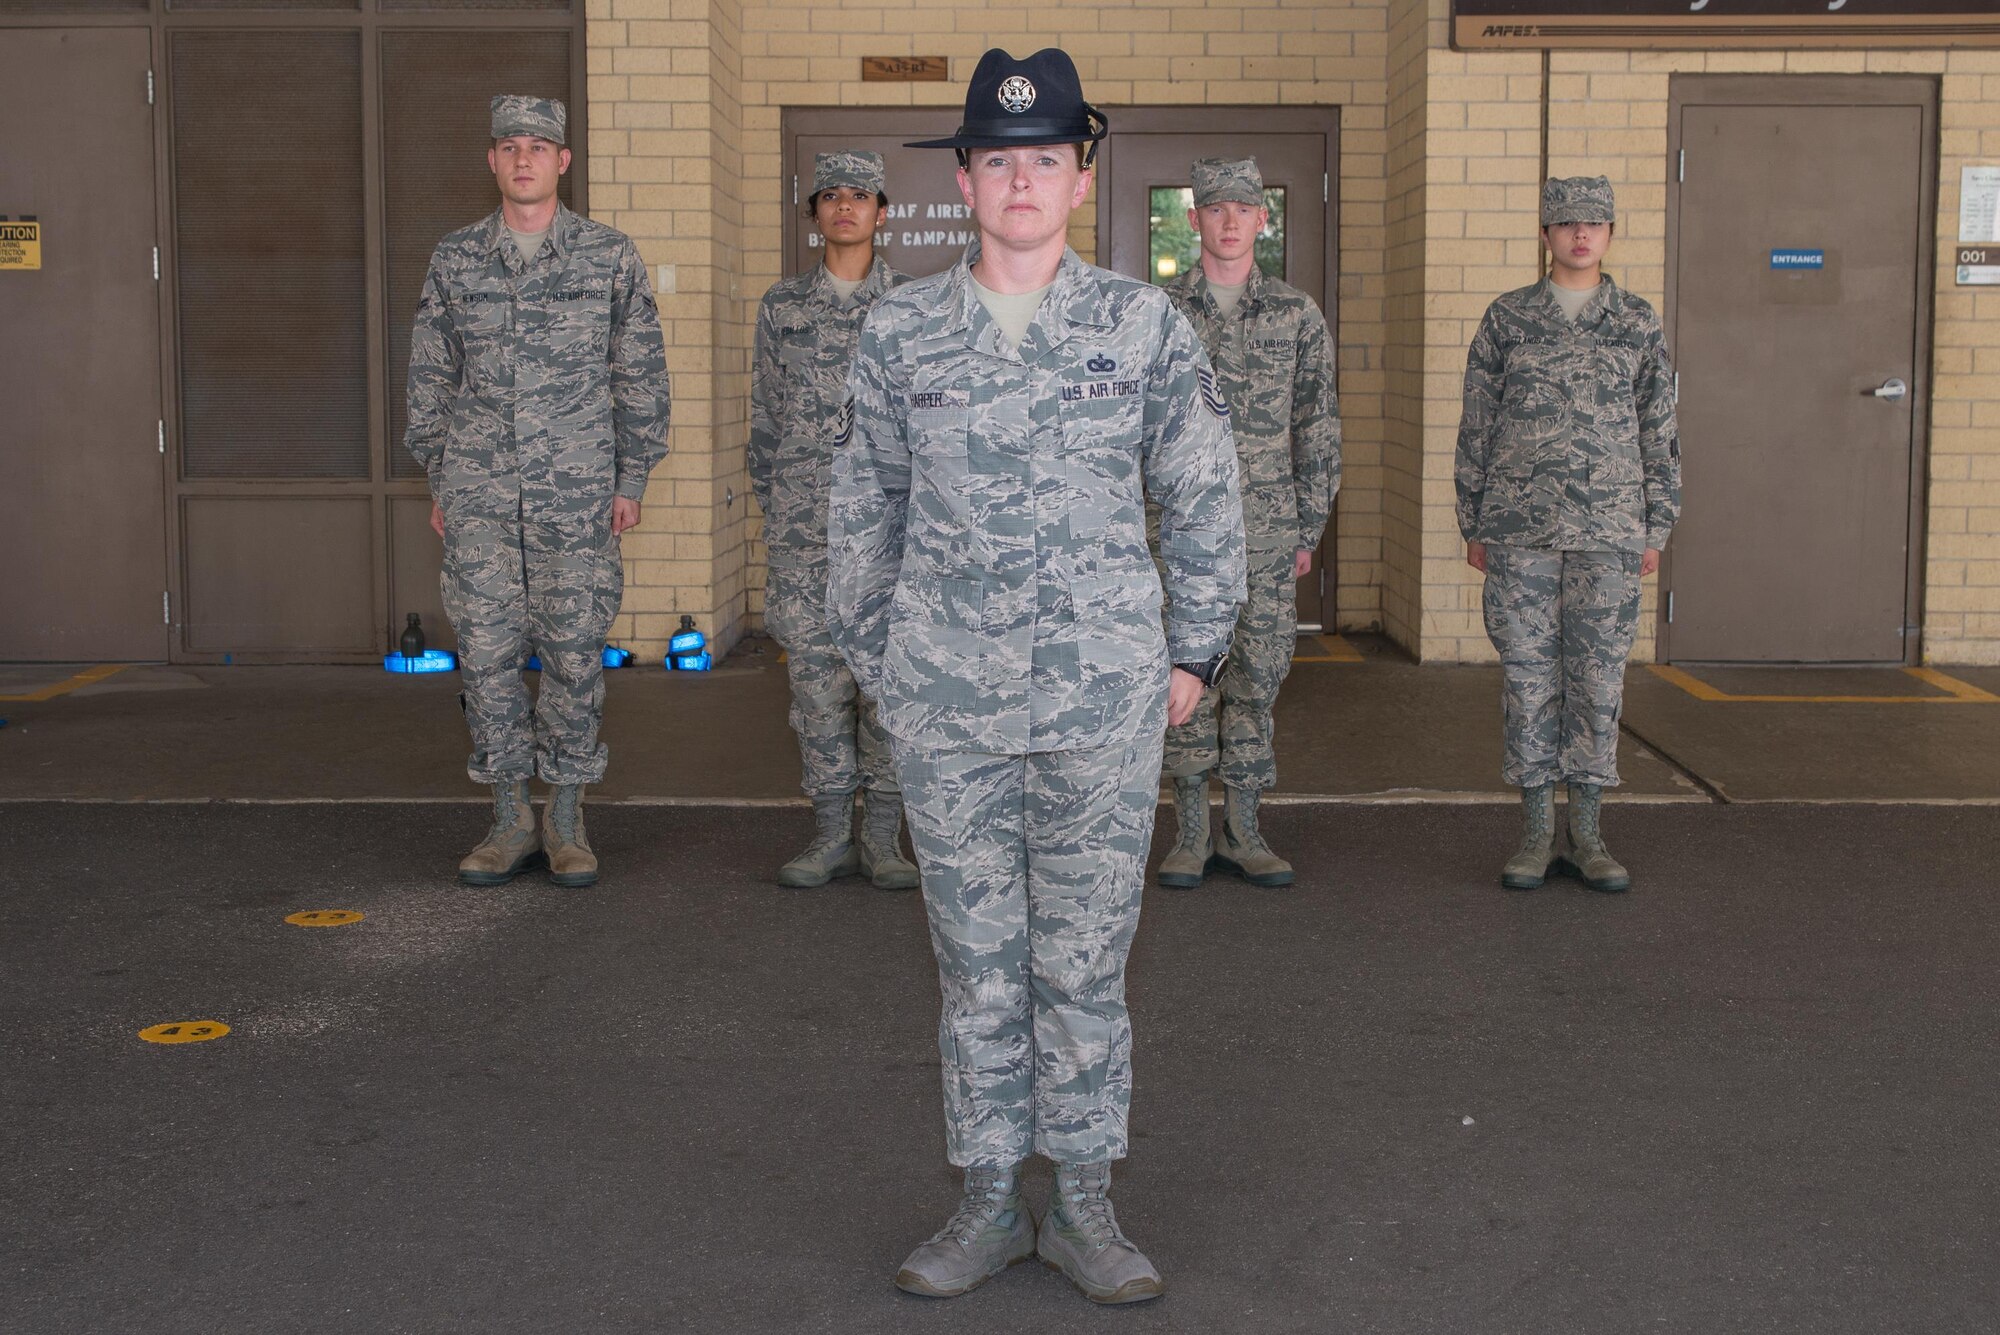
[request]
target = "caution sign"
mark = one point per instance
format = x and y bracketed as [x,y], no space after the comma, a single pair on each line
[20,245]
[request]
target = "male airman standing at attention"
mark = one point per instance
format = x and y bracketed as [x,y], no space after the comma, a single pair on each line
[1273,358]
[1569,482]
[538,406]
[992,589]
[806,331]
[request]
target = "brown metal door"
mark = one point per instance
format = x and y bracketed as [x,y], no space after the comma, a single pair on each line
[1152,149]
[84,548]
[1800,249]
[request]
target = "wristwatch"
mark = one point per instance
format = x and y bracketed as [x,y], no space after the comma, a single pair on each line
[1207,672]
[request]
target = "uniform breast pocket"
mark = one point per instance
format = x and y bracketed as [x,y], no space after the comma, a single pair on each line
[1101,442]
[941,465]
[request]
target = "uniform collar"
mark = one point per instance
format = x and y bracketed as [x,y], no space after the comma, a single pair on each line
[1075,300]
[1603,300]
[499,242]
[873,284]
[1253,291]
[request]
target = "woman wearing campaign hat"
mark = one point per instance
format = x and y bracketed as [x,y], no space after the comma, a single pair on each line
[991,587]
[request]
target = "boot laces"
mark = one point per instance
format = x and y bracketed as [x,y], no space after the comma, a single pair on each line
[987,1191]
[881,819]
[1587,827]
[505,805]
[835,816]
[1193,808]
[564,810]
[1088,1208]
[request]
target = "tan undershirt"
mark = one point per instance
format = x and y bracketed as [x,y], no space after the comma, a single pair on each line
[1225,298]
[845,288]
[1571,299]
[527,243]
[1012,311]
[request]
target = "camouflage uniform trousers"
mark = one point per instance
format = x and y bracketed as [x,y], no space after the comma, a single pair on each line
[1239,708]
[1563,622]
[841,743]
[1033,866]
[514,587]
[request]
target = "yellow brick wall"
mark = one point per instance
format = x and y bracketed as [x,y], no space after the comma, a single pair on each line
[1441,155]
[698,187]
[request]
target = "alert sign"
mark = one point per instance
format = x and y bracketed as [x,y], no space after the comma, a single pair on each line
[20,245]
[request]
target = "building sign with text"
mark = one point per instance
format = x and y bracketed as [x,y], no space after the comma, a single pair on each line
[1740,24]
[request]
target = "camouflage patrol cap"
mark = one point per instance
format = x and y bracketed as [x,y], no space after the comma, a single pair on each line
[1575,199]
[519,114]
[850,166]
[1221,180]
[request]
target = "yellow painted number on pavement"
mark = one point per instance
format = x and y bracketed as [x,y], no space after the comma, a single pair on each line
[185,1031]
[325,917]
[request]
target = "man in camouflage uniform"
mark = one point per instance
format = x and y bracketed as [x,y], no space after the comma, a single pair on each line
[538,406]
[991,588]
[1568,479]
[806,329]
[1273,358]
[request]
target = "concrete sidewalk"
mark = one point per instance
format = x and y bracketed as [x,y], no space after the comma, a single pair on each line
[1355,721]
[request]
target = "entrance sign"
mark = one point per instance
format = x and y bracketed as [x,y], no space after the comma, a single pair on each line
[1541,25]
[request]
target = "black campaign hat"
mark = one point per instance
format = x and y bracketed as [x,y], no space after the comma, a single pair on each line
[1034,101]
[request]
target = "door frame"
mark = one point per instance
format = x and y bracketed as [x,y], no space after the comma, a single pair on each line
[1804,90]
[1252,120]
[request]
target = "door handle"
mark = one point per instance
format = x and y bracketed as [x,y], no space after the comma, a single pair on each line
[1890,389]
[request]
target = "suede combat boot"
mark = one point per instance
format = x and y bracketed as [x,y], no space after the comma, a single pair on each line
[881,846]
[571,863]
[990,1230]
[1241,849]
[1587,853]
[1081,1238]
[832,852]
[1183,867]
[511,845]
[1529,866]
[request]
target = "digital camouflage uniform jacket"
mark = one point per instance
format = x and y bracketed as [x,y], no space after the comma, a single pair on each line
[1273,358]
[538,390]
[1568,440]
[990,583]
[798,386]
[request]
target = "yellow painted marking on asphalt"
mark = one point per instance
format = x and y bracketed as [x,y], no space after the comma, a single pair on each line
[184,1031]
[1956,692]
[1962,690]
[325,917]
[1332,649]
[83,678]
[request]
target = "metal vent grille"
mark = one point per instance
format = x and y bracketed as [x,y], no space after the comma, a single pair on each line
[267,6]
[404,6]
[435,134]
[268,221]
[74,6]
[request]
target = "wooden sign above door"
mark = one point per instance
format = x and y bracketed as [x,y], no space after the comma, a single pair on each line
[905,69]
[1740,24]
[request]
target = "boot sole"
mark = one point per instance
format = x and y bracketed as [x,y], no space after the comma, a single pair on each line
[571,880]
[491,878]
[1611,885]
[911,1282]
[1179,880]
[1269,880]
[1131,1291]
[847,866]
[1516,881]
